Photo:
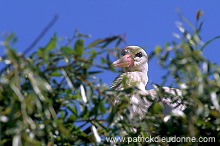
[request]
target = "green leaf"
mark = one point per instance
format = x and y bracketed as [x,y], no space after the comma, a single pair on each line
[56,73]
[157,50]
[79,48]
[112,116]
[12,55]
[94,72]
[103,60]
[52,43]
[72,118]
[43,52]
[10,39]
[66,50]
[156,108]
[109,40]
[208,42]
[94,43]
[93,53]
[102,107]
[40,52]
[3,141]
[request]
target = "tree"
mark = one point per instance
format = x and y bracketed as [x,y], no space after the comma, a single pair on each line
[54,95]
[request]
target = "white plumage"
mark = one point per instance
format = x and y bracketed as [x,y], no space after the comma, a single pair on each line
[134,63]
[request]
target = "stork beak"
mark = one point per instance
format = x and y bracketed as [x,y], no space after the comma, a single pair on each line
[125,61]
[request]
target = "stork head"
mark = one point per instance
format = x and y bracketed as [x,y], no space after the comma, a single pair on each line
[133,58]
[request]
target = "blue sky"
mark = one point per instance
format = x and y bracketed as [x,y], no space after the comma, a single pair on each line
[145,22]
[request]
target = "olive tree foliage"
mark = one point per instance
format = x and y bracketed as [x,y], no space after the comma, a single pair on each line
[55,95]
[197,77]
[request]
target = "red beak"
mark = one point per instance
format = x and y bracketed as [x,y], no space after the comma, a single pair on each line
[125,61]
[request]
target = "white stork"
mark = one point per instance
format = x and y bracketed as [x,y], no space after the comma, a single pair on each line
[134,63]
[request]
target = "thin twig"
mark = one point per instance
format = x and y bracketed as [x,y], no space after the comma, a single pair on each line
[40,36]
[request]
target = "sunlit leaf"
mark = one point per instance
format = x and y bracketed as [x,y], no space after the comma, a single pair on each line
[157,49]
[79,48]
[52,43]
[56,73]
[83,94]
[95,132]
[94,43]
[66,50]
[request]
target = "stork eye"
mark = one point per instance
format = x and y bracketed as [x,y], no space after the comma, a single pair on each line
[124,52]
[139,54]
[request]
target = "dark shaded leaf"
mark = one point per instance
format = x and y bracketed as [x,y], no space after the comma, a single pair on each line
[94,72]
[208,42]
[199,14]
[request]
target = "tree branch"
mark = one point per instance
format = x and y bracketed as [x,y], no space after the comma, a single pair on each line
[40,36]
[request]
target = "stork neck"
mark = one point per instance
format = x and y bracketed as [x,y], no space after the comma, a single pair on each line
[138,74]
[139,77]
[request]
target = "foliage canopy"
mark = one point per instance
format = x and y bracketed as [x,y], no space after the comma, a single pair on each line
[54,95]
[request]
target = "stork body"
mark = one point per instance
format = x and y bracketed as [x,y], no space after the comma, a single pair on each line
[134,63]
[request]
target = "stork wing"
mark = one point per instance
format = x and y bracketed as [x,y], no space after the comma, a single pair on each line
[116,84]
